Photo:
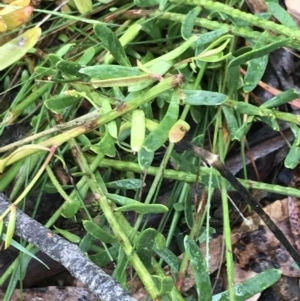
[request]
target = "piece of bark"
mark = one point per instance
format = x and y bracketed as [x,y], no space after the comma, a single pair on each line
[68,254]
[287,288]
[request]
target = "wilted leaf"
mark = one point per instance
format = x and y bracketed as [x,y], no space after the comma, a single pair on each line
[178,131]
[14,5]
[15,49]
[17,17]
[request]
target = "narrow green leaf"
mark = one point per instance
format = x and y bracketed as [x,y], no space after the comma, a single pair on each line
[16,48]
[70,209]
[165,284]
[151,28]
[243,130]
[201,272]
[242,59]
[55,58]
[43,71]
[112,125]
[252,286]
[255,72]
[281,98]
[281,15]
[87,56]
[271,122]
[22,268]
[85,141]
[145,158]
[144,247]
[205,235]
[204,98]
[256,67]
[111,43]
[143,208]
[160,241]
[130,34]
[11,226]
[213,53]
[110,71]
[122,81]
[178,207]
[62,51]
[106,146]
[169,56]
[121,200]
[189,22]
[188,210]
[68,235]
[156,71]
[296,131]
[120,267]
[86,242]
[247,108]
[293,157]
[138,129]
[169,258]
[102,258]
[232,123]
[156,138]
[24,250]
[84,6]
[196,114]
[208,37]
[132,184]
[69,68]
[98,233]
[58,103]
[233,80]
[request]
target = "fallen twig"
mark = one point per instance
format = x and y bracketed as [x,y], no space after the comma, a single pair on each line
[68,254]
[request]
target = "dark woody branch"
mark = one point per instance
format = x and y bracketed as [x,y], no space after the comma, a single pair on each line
[213,160]
[68,254]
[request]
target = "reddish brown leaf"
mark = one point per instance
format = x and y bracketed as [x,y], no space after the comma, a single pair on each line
[294,218]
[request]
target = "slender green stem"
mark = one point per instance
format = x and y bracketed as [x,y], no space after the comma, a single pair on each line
[198,219]
[226,217]
[80,186]
[18,109]
[291,118]
[227,237]
[113,222]
[10,175]
[231,29]
[154,184]
[247,17]
[192,178]
[61,191]
[31,184]
[95,120]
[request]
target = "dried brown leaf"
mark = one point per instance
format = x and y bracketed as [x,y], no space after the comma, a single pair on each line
[293,8]
[294,218]
[257,6]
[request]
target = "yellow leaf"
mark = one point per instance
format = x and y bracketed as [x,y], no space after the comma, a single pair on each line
[15,49]
[14,6]
[178,131]
[17,17]
[3,26]
[11,226]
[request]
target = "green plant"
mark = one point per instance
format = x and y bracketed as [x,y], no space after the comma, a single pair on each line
[133,94]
